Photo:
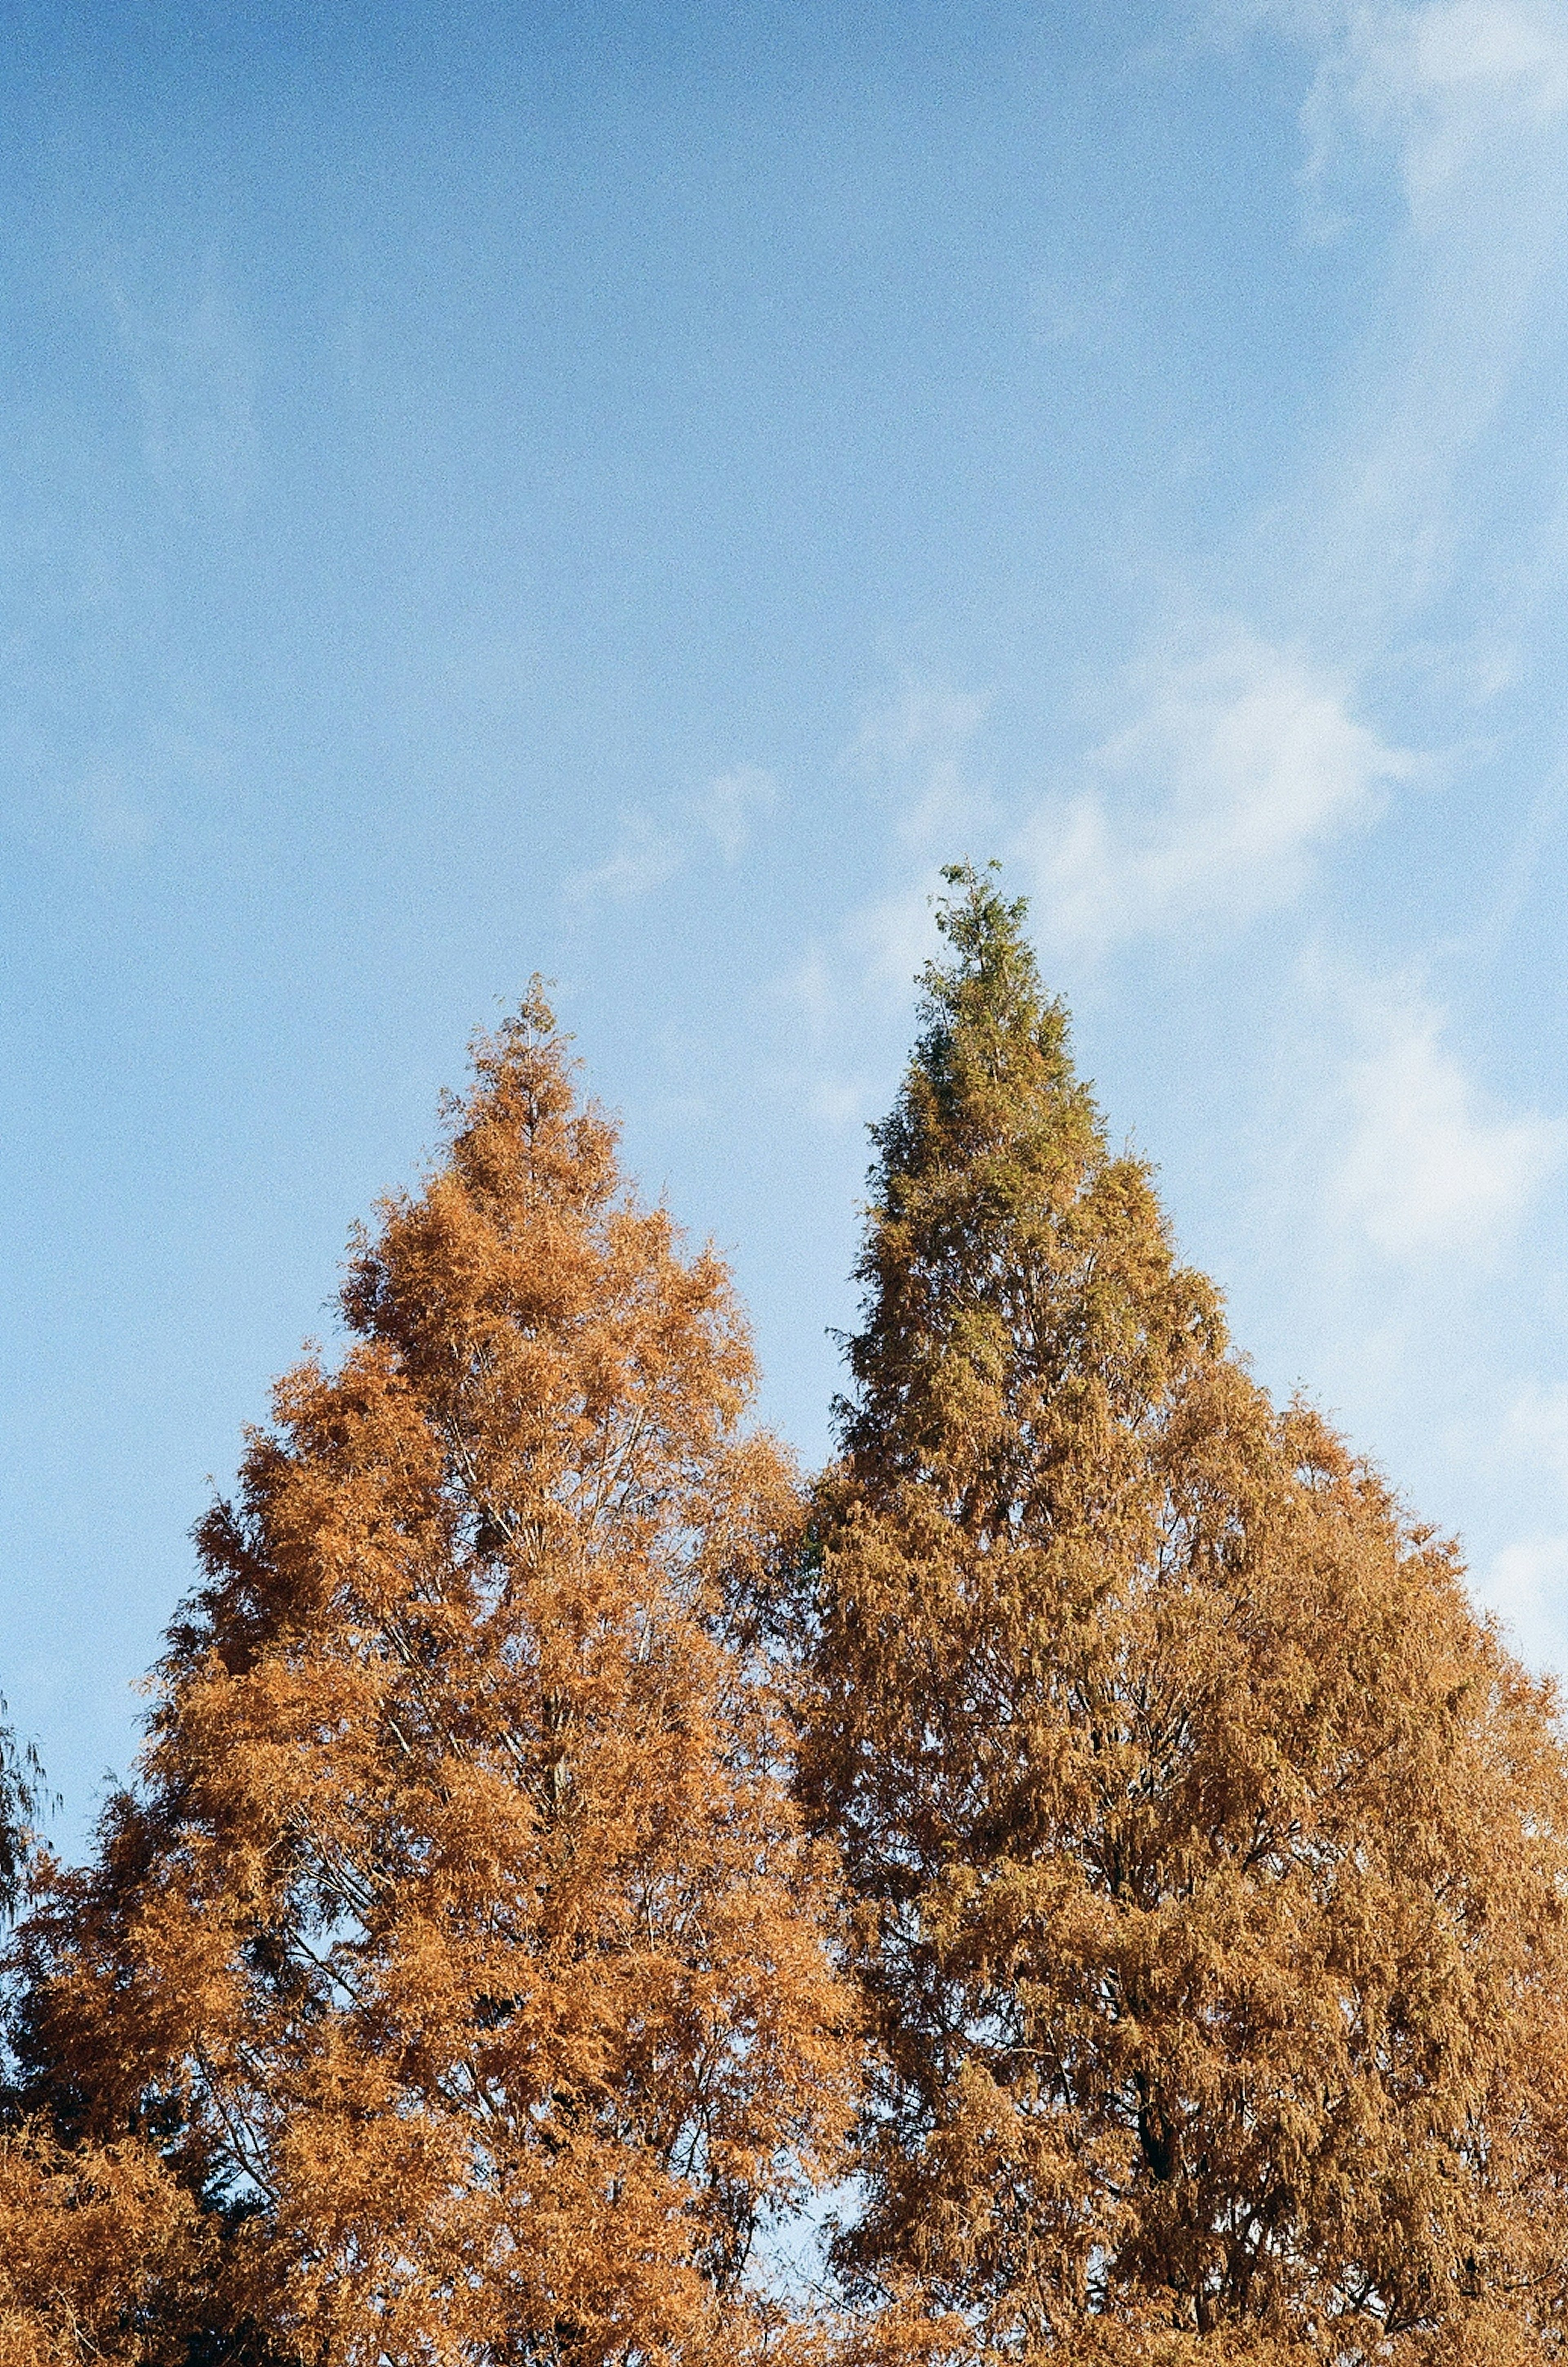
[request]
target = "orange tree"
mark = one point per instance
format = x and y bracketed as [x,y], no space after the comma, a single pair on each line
[457,1945]
[1207,1853]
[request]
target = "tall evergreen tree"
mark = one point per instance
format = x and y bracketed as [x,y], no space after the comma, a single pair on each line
[459,1939]
[1207,1852]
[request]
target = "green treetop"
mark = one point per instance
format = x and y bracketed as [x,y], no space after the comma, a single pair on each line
[1205,1852]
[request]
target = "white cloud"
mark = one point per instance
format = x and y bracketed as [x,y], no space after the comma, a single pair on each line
[821,1078]
[1244,759]
[874,955]
[811,991]
[1083,315]
[1467,101]
[838,1103]
[190,357]
[916,748]
[1442,84]
[913,752]
[1431,1163]
[926,720]
[114,814]
[1537,1422]
[890,941]
[1526,1584]
[645,856]
[648,852]
[728,805]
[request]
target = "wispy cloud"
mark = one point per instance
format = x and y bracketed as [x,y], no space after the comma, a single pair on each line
[119,798]
[1241,760]
[1467,101]
[915,750]
[844,992]
[650,850]
[1430,1162]
[1525,1580]
[189,353]
[730,808]
[1526,1585]
[115,816]
[644,856]
[1443,84]
[1537,1422]
[912,753]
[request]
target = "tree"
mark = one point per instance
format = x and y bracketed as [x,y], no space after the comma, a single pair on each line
[98,2247]
[22,1797]
[1207,1852]
[458,1939]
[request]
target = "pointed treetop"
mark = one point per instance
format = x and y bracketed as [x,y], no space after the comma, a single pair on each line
[996,1208]
[988,1029]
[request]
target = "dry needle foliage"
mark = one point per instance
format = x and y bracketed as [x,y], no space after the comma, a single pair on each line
[461,1985]
[1208,1854]
[459,1934]
[100,2251]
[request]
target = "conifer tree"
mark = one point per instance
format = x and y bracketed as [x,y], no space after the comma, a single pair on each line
[22,1790]
[1207,1852]
[458,1945]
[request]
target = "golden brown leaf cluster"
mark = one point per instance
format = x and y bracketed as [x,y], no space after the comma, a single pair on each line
[1208,1853]
[461,1929]
[100,2251]
[1095,1805]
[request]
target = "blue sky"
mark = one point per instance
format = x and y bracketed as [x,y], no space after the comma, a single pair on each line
[629,491]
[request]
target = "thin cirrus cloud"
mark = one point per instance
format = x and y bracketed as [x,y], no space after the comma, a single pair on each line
[728,808]
[648,852]
[1430,1163]
[912,754]
[916,749]
[1525,1582]
[1241,759]
[1240,764]
[1468,100]
[1441,83]
[192,367]
[1525,1585]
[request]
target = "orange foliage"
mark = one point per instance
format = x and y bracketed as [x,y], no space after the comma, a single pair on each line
[460,1923]
[1209,1856]
[457,1986]
[98,2250]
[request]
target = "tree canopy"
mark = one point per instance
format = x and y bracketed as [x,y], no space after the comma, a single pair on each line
[1090,1821]
[1206,1851]
[22,1791]
[458,1942]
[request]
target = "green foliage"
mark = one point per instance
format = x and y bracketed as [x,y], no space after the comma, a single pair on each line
[1206,1856]
[23,1800]
[1199,1861]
